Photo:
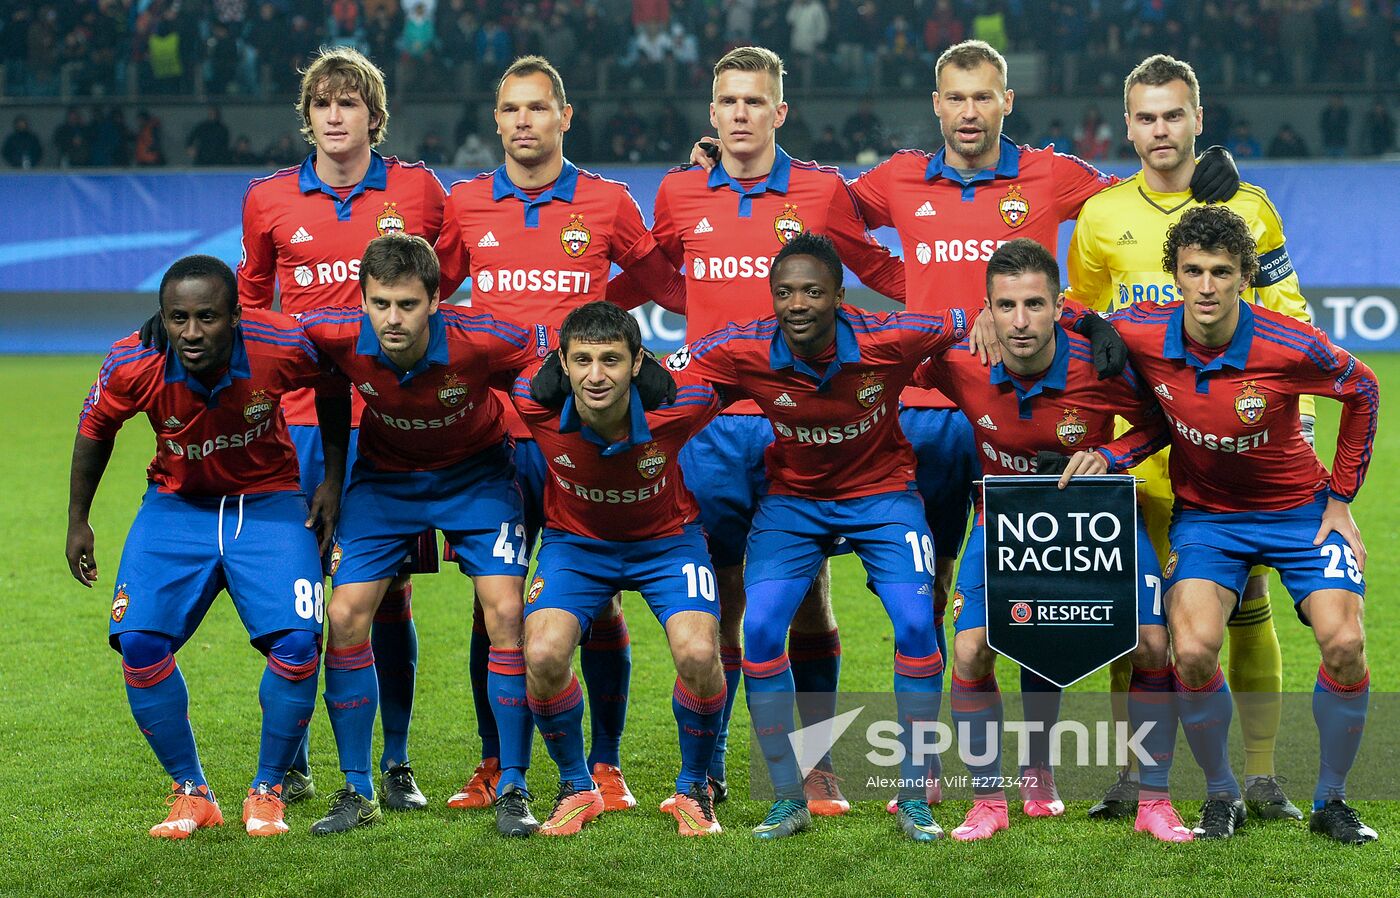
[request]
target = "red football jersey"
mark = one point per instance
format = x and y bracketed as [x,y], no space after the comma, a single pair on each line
[221,442]
[301,236]
[835,417]
[1237,444]
[537,259]
[625,491]
[443,411]
[949,227]
[1064,409]
[724,236]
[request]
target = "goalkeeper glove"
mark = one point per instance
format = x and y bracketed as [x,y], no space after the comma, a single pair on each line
[1216,177]
[153,333]
[1109,351]
[1047,462]
[1309,423]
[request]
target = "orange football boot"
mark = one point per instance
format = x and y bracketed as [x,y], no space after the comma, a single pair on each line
[191,807]
[262,811]
[613,788]
[480,790]
[572,809]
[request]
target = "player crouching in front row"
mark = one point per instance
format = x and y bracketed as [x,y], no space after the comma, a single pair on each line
[1019,408]
[618,516]
[1228,375]
[223,510]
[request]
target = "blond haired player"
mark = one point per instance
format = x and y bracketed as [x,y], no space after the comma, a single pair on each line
[1115,260]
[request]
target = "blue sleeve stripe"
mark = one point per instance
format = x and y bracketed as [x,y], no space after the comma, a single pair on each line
[134,354]
[705,403]
[1310,352]
[517,339]
[329,316]
[289,336]
[1369,389]
[894,325]
[725,336]
[278,339]
[1305,342]
[458,317]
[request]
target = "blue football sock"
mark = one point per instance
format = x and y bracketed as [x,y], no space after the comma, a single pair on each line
[697,723]
[301,761]
[160,703]
[1205,712]
[731,658]
[288,697]
[478,663]
[769,690]
[1151,701]
[816,674]
[918,695]
[351,696]
[1040,707]
[1340,712]
[506,679]
[560,721]
[395,641]
[977,717]
[606,662]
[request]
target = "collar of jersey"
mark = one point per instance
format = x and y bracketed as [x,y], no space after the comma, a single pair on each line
[570,422]
[1053,379]
[847,352]
[368,344]
[777,181]
[1174,343]
[1008,166]
[238,367]
[563,189]
[376,178]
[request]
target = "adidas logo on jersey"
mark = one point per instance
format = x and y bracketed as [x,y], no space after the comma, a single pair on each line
[301,236]
[925,211]
[564,461]
[367,388]
[785,401]
[703,227]
[173,422]
[1127,239]
[488,240]
[986,421]
[1161,390]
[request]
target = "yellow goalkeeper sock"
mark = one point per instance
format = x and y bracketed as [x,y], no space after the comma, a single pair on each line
[1256,679]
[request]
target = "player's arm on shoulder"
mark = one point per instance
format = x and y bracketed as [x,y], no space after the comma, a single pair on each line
[872,262]
[870,190]
[710,359]
[1075,181]
[647,272]
[257,269]
[1148,431]
[434,203]
[454,258]
[1110,352]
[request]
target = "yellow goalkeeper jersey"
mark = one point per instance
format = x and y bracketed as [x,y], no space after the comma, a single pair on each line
[1115,256]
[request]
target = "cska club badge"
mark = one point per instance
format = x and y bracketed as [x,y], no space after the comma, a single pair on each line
[452,392]
[651,462]
[536,587]
[1170,567]
[1250,404]
[336,555]
[870,389]
[119,603]
[575,237]
[787,225]
[957,605]
[1071,430]
[259,406]
[1014,208]
[389,220]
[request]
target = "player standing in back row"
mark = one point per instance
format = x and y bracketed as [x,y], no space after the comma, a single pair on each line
[1114,262]
[533,240]
[722,228]
[304,230]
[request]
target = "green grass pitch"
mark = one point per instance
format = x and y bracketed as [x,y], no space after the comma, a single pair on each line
[80,786]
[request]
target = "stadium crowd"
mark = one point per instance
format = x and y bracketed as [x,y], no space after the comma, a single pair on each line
[141,49]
